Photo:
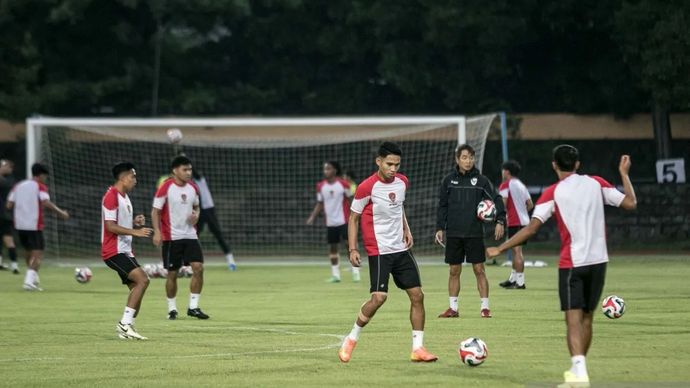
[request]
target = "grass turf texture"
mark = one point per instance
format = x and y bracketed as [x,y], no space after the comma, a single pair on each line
[280,325]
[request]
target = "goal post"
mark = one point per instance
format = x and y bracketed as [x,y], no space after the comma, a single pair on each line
[262,171]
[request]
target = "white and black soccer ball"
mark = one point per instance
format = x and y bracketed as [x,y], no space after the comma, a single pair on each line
[486,211]
[613,306]
[185,272]
[174,135]
[473,351]
[150,270]
[161,271]
[83,274]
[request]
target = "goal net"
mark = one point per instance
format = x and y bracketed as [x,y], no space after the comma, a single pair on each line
[262,173]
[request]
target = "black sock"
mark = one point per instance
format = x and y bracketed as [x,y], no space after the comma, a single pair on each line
[13,254]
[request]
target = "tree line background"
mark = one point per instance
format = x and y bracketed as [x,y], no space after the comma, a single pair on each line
[290,57]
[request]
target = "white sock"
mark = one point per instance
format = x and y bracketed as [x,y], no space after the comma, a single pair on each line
[520,278]
[417,339]
[512,276]
[230,258]
[128,316]
[30,277]
[335,271]
[579,366]
[172,304]
[354,334]
[453,302]
[485,303]
[355,270]
[194,301]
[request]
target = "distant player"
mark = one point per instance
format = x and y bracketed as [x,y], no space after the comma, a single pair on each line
[350,177]
[518,204]
[457,224]
[7,181]
[27,199]
[208,216]
[578,203]
[119,225]
[174,216]
[333,197]
[378,207]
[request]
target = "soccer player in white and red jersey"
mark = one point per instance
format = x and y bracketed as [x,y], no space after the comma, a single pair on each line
[174,217]
[333,198]
[518,204]
[119,225]
[378,207]
[27,199]
[578,204]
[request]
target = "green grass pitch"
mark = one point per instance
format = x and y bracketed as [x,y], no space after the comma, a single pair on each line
[281,326]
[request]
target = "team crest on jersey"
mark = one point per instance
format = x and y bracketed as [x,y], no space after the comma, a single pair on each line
[473,181]
[391,196]
[184,198]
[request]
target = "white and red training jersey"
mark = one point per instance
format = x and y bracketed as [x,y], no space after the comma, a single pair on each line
[381,205]
[116,207]
[176,204]
[334,197]
[28,196]
[578,202]
[516,194]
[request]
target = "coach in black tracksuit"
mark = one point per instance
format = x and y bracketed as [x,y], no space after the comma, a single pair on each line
[457,224]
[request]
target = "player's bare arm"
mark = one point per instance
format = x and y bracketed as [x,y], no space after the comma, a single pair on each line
[630,200]
[523,235]
[9,205]
[407,233]
[315,213]
[140,221]
[156,224]
[113,227]
[194,217]
[352,229]
[54,208]
[529,204]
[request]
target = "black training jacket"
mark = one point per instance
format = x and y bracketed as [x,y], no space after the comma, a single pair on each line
[457,203]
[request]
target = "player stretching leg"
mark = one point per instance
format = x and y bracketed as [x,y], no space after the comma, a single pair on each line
[518,203]
[332,196]
[27,199]
[378,203]
[174,214]
[578,201]
[6,227]
[116,244]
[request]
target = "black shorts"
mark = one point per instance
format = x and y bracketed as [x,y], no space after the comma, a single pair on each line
[512,231]
[6,227]
[31,240]
[123,265]
[177,253]
[581,287]
[401,265]
[460,250]
[336,234]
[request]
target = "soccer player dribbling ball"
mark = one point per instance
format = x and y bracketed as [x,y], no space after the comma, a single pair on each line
[119,226]
[174,216]
[333,197]
[27,199]
[378,204]
[578,203]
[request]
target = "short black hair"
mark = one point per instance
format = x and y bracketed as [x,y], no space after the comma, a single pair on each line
[39,169]
[512,166]
[566,156]
[122,167]
[389,148]
[178,161]
[336,166]
[463,147]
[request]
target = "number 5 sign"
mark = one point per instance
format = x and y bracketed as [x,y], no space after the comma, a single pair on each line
[670,171]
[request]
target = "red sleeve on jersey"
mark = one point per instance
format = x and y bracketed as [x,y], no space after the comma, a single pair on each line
[344,183]
[504,185]
[603,182]
[163,189]
[547,195]
[404,179]
[364,188]
[110,201]
[320,185]
[196,188]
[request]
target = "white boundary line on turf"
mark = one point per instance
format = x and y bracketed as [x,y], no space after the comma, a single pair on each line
[208,355]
